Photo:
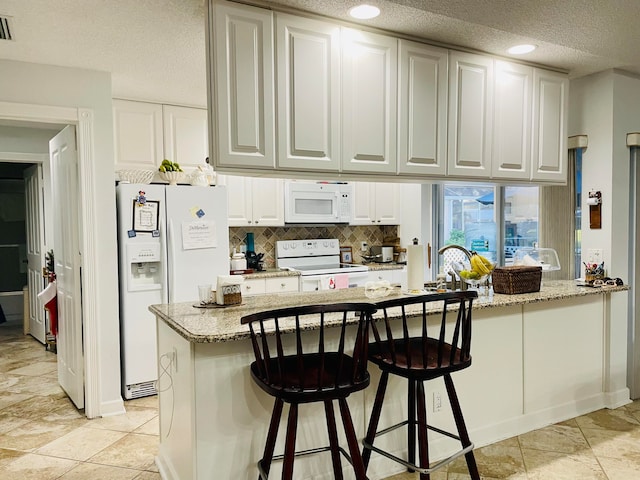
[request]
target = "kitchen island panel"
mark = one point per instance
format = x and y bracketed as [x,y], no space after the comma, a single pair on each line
[563,352]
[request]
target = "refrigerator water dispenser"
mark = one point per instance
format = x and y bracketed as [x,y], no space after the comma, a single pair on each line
[145,269]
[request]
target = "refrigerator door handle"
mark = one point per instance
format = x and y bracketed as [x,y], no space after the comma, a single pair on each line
[170,254]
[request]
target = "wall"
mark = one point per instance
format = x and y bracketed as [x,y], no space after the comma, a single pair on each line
[71,87]
[606,106]
[25,140]
[265,237]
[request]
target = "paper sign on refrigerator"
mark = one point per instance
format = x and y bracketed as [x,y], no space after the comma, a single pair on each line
[199,234]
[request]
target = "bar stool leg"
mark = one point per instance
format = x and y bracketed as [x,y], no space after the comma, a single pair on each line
[411,426]
[423,443]
[271,437]
[354,450]
[290,445]
[462,429]
[333,439]
[375,418]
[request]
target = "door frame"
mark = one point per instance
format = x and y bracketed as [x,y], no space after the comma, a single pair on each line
[83,119]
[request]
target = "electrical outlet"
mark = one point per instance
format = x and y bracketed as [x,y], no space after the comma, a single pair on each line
[437,402]
[363,246]
[594,255]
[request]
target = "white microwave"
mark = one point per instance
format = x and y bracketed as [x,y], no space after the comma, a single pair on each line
[306,202]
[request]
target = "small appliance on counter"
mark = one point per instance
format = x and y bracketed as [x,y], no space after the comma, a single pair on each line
[254,260]
[379,254]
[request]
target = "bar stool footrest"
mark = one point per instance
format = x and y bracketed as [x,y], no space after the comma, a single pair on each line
[302,453]
[417,468]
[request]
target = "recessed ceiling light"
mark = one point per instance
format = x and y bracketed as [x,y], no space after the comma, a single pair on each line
[521,49]
[364,12]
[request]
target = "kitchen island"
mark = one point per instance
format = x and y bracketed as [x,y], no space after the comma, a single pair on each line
[538,358]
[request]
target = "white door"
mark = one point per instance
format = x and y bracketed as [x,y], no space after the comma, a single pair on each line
[35,250]
[64,176]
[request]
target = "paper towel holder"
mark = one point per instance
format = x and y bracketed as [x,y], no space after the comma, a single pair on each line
[594,200]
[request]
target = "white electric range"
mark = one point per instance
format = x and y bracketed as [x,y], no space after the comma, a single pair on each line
[318,262]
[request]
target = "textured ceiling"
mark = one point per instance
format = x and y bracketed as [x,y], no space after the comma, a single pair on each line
[155,48]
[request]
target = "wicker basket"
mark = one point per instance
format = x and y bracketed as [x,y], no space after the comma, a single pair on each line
[516,279]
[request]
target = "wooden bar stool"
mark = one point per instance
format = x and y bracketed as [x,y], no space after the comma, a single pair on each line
[296,371]
[420,358]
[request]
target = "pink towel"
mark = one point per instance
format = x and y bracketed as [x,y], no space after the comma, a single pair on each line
[342,280]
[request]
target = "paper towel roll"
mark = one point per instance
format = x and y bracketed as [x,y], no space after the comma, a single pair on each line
[415,267]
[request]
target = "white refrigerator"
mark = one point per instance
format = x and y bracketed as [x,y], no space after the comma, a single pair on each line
[170,240]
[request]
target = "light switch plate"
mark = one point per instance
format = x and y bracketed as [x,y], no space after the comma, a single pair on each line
[594,255]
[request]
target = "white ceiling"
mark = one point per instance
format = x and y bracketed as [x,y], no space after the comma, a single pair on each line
[155,49]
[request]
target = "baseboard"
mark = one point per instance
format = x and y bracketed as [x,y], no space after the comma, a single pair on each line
[618,398]
[114,407]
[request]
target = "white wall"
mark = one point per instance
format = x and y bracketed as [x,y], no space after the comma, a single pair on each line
[70,87]
[606,106]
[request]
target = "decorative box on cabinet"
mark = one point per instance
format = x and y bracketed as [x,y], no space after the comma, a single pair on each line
[243,78]
[308,61]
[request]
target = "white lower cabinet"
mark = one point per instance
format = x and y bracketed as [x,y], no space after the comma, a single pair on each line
[254,286]
[258,286]
[376,204]
[395,276]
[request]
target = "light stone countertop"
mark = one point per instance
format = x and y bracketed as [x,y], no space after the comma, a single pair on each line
[222,324]
[271,273]
[385,266]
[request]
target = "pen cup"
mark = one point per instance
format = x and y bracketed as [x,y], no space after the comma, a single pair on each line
[204,294]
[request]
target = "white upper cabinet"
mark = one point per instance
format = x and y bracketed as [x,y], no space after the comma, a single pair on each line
[470,115]
[254,201]
[308,62]
[376,203]
[369,100]
[185,135]
[422,109]
[551,104]
[513,96]
[243,78]
[137,129]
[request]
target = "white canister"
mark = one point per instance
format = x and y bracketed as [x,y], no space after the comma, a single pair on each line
[238,262]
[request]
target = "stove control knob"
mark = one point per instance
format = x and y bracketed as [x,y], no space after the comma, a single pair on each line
[325,244]
[285,246]
[293,246]
[332,244]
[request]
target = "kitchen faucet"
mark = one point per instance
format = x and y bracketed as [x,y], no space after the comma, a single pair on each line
[454,282]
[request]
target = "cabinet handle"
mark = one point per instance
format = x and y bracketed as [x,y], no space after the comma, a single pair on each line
[248,287]
[282,285]
[249,222]
[256,222]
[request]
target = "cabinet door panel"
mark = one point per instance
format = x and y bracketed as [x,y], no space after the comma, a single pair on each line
[512,121]
[137,128]
[239,200]
[245,89]
[309,93]
[470,114]
[185,135]
[422,114]
[369,86]
[268,202]
[387,201]
[551,101]
[363,204]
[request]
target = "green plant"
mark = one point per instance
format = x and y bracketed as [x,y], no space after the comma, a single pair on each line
[456,237]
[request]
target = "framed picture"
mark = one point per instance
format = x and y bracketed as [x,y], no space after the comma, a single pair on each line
[346,255]
[146,216]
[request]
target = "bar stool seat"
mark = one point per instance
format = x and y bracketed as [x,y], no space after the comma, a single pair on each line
[298,371]
[438,350]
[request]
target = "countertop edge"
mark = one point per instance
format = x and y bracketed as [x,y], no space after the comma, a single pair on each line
[221,325]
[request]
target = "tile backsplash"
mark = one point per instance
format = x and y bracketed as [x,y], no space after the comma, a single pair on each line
[348,235]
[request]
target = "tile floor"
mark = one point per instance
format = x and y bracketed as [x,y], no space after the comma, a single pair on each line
[43,437]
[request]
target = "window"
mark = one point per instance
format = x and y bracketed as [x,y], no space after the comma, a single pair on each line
[486,218]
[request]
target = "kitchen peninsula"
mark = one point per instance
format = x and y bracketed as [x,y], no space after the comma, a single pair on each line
[538,358]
